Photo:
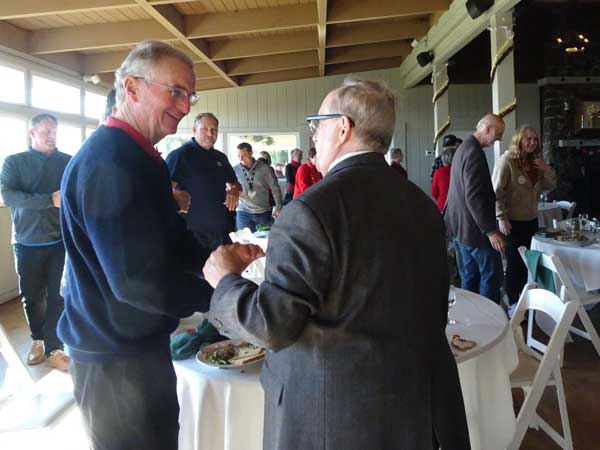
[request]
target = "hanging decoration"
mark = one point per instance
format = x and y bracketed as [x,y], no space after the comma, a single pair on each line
[441,131]
[503,52]
[508,109]
[443,88]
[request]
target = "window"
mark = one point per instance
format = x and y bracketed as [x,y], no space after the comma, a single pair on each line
[55,96]
[94,105]
[89,131]
[14,137]
[68,138]
[12,85]
[277,145]
[170,143]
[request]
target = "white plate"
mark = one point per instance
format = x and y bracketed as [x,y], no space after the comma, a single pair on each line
[247,355]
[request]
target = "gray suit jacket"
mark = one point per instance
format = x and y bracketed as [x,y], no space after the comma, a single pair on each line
[353,309]
[470,213]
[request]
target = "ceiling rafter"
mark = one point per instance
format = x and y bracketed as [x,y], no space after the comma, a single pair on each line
[363,66]
[35,8]
[270,63]
[354,11]
[322,34]
[172,20]
[368,51]
[366,33]
[250,21]
[283,75]
[243,48]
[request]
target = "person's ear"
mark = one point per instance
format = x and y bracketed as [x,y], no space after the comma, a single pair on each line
[130,85]
[345,127]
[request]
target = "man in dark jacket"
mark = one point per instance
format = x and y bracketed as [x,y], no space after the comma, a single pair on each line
[290,174]
[30,184]
[471,215]
[133,268]
[354,302]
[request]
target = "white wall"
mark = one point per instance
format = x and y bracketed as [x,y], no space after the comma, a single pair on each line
[9,283]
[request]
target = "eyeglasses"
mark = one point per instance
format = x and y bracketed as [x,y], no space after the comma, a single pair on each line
[313,121]
[176,92]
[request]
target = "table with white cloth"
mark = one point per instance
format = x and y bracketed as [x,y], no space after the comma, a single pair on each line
[548,212]
[581,263]
[223,409]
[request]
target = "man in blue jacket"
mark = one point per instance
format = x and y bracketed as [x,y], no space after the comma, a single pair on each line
[133,267]
[30,184]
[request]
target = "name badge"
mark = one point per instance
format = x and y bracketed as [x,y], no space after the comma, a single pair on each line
[521,180]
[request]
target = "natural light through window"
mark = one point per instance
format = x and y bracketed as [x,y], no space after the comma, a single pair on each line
[14,137]
[12,85]
[277,145]
[55,96]
[94,105]
[68,138]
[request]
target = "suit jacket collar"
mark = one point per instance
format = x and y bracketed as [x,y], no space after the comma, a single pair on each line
[370,158]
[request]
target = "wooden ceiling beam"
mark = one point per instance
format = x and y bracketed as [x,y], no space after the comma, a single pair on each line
[169,17]
[211,83]
[250,21]
[102,35]
[13,37]
[363,66]
[368,51]
[283,75]
[10,9]
[366,33]
[322,34]
[244,48]
[102,62]
[358,10]
[270,63]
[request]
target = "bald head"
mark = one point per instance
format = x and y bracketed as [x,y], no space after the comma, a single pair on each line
[489,129]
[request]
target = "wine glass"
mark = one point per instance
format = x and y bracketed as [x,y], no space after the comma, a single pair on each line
[451,302]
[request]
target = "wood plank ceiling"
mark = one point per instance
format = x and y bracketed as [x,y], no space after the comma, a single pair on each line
[232,42]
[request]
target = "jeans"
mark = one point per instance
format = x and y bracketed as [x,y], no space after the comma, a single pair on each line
[249,220]
[130,402]
[40,270]
[516,271]
[480,270]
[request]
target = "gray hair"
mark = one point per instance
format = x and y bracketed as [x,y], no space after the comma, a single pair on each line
[371,106]
[40,118]
[142,59]
[396,153]
[296,152]
[447,155]
[208,115]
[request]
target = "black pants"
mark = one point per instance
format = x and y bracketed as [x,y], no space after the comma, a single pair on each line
[211,240]
[516,271]
[129,403]
[40,271]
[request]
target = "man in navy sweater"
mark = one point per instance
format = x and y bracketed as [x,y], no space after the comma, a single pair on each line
[30,184]
[133,267]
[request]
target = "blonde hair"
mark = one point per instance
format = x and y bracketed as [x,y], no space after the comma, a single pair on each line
[514,150]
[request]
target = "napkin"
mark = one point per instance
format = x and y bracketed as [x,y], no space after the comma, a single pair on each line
[187,344]
[543,276]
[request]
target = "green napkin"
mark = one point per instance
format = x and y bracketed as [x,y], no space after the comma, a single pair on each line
[186,345]
[543,276]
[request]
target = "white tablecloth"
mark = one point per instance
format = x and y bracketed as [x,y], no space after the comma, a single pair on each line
[581,263]
[547,212]
[223,409]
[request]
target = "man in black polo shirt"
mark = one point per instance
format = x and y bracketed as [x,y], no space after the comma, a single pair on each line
[205,173]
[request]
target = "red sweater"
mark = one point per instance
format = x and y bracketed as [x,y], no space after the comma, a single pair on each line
[306,176]
[439,186]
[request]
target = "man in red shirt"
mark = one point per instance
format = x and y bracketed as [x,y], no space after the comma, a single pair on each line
[307,174]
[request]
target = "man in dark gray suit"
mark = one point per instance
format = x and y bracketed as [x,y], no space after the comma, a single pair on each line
[470,213]
[354,303]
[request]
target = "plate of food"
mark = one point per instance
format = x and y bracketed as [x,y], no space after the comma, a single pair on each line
[230,354]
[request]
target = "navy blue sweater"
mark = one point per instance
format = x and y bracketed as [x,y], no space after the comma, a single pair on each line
[130,272]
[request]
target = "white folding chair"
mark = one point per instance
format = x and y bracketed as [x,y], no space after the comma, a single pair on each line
[568,292]
[538,370]
[568,207]
[25,404]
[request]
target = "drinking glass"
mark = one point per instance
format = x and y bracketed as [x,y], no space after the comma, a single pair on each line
[451,302]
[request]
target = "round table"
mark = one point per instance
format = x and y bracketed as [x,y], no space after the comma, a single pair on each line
[223,409]
[581,263]
[547,212]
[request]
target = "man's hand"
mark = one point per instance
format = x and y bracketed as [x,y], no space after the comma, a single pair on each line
[497,241]
[232,196]
[505,226]
[183,200]
[230,259]
[276,212]
[56,199]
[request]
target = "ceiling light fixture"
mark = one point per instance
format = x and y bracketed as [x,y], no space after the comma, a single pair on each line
[93,78]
